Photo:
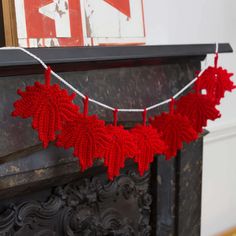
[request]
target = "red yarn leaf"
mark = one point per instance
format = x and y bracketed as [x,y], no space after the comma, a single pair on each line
[122,145]
[149,144]
[88,136]
[49,106]
[216,81]
[198,108]
[175,130]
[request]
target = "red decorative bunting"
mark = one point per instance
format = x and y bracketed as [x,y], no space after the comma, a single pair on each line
[216,81]
[87,135]
[198,108]
[48,105]
[55,115]
[175,130]
[149,144]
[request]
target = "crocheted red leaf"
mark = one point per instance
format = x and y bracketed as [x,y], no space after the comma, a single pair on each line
[149,144]
[49,106]
[122,145]
[216,81]
[88,136]
[175,130]
[198,108]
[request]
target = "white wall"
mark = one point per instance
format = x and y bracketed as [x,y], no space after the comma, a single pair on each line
[206,21]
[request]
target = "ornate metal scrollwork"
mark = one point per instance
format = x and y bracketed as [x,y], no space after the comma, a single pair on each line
[85,207]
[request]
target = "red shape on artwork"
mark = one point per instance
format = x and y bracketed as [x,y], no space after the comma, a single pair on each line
[76,27]
[48,105]
[198,108]
[87,135]
[175,129]
[216,81]
[35,20]
[121,5]
[149,144]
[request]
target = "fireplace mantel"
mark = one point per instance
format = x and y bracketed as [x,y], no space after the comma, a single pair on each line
[14,62]
[43,191]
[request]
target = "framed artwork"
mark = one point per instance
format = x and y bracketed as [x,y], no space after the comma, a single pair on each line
[63,23]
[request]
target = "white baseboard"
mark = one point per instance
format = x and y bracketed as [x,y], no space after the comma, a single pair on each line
[222,132]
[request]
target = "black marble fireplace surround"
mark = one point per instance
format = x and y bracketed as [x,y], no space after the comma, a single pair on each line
[43,192]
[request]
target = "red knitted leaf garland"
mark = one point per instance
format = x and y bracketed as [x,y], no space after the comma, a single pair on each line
[216,81]
[175,130]
[87,135]
[198,108]
[149,144]
[122,145]
[48,105]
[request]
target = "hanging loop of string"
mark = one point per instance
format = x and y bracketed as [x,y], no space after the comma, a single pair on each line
[95,101]
[216,60]
[197,89]
[144,116]
[216,55]
[86,99]
[115,113]
[48,76]
[172,106]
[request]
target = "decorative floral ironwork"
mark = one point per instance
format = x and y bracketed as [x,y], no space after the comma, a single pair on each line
[78,209]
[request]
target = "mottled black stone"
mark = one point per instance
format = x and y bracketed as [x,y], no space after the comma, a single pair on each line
[189,189]
[177,187]
[166,190]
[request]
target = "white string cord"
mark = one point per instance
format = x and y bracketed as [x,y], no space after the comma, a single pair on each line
[97,102]
[217,48]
